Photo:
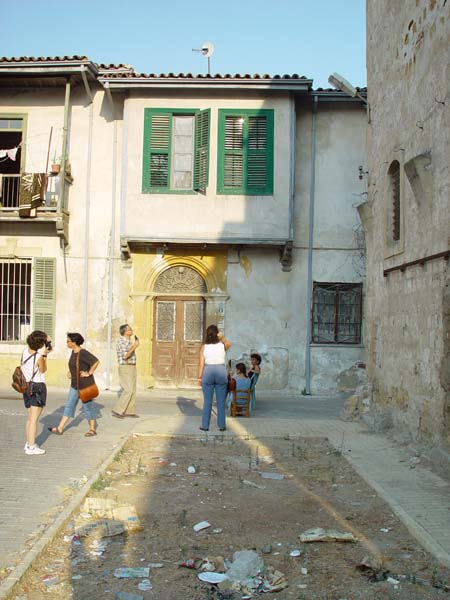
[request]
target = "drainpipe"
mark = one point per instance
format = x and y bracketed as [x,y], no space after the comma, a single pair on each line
[292,169]
[62,172]
[111,244]
[86,220]
[312,187]
[123,187]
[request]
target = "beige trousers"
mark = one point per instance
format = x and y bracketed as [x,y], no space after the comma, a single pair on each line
[127,380]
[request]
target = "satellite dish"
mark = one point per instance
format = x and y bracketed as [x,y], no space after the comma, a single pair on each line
[207,49]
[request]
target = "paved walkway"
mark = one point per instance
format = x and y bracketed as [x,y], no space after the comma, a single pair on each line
[34,498]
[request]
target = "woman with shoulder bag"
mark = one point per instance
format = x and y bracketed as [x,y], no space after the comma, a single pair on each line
[34,366]
[213,376]
[82,365]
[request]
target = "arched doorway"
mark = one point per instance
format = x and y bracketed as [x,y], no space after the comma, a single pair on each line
[178,330]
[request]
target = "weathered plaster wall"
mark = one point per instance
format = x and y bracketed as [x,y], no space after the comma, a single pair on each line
[209,216]
[89,234]
[407,322]
[267,309]
[260,306]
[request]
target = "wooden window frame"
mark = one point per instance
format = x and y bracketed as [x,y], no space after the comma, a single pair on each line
[337,338]
[201,134]
[24,118]
[244,189]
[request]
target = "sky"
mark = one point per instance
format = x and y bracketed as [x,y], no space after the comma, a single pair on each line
[308,37]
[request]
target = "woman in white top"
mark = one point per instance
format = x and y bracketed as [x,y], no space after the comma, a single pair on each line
[213,376]
[34,365]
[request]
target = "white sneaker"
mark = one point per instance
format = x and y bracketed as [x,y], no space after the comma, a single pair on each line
[26,446]
[34,450]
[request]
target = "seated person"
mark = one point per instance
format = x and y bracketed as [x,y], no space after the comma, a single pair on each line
[242,381]
[255,369]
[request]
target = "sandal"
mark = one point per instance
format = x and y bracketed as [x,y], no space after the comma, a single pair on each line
[55,430]
[90,433]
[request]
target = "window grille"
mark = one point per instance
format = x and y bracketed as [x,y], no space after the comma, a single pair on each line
[337,313]
[15,302]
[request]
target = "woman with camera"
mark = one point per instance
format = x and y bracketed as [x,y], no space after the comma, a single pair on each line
[34,366]
[82,364]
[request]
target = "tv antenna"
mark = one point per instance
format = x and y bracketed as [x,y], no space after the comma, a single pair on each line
[207,50]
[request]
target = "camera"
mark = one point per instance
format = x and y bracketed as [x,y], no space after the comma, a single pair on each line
[48,345]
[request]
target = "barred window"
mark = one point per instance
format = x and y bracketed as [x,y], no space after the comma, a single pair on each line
[337,313]
[27,297]
[15,299]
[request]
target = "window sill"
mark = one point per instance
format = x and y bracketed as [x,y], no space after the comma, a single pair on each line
[327,345]
[170,192]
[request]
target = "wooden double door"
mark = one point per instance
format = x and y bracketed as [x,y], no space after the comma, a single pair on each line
[179,325]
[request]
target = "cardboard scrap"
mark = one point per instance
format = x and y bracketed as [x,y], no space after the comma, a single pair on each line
[106,508]
[100,528]
[318,534]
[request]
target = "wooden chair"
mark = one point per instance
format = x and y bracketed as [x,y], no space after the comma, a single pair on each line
[240,404]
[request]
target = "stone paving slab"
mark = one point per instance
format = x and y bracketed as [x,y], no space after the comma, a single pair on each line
[31,486]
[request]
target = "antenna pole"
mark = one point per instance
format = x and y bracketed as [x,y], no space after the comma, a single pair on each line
[209,65]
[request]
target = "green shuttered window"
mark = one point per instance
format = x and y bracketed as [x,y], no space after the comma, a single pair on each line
[245,152]
[44,286]
[176,150]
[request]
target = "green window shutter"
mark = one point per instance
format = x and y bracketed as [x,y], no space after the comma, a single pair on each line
[201,161]
[157,147]
[44,287]
[233,166]
[245,153]
[260,153]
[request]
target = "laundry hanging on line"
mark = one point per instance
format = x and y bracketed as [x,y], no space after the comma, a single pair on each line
[9,153]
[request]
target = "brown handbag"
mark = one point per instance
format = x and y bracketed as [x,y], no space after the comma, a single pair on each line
[88,393]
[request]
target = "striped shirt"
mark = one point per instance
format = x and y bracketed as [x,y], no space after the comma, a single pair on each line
[122,347]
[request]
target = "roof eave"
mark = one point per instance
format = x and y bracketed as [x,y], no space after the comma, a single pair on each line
[50,69]
[303,85]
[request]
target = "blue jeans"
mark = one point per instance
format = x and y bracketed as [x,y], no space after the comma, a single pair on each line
[214,379]
[71,404]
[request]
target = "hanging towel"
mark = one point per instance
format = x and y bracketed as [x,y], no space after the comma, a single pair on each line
[12,153]
[32,193]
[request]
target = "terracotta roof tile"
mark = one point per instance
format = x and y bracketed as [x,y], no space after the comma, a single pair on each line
[134,74]
[21,59]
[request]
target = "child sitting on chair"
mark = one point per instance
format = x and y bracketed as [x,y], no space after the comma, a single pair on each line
[242,381]
[255,369]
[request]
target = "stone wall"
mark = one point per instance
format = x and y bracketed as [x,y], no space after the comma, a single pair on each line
[408,310]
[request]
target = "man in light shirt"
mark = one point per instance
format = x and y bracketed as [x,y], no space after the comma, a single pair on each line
[126,357]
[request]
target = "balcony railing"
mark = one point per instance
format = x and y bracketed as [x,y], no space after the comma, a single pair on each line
[10,190]
[53,210]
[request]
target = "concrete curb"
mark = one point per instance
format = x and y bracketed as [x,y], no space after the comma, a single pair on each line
[14,577]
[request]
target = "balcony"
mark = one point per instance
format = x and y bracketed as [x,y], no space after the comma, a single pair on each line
[49,218]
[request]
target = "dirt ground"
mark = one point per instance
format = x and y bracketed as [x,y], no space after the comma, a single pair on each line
[246,511]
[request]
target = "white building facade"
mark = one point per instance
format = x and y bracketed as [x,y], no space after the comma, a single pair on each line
[182,201]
